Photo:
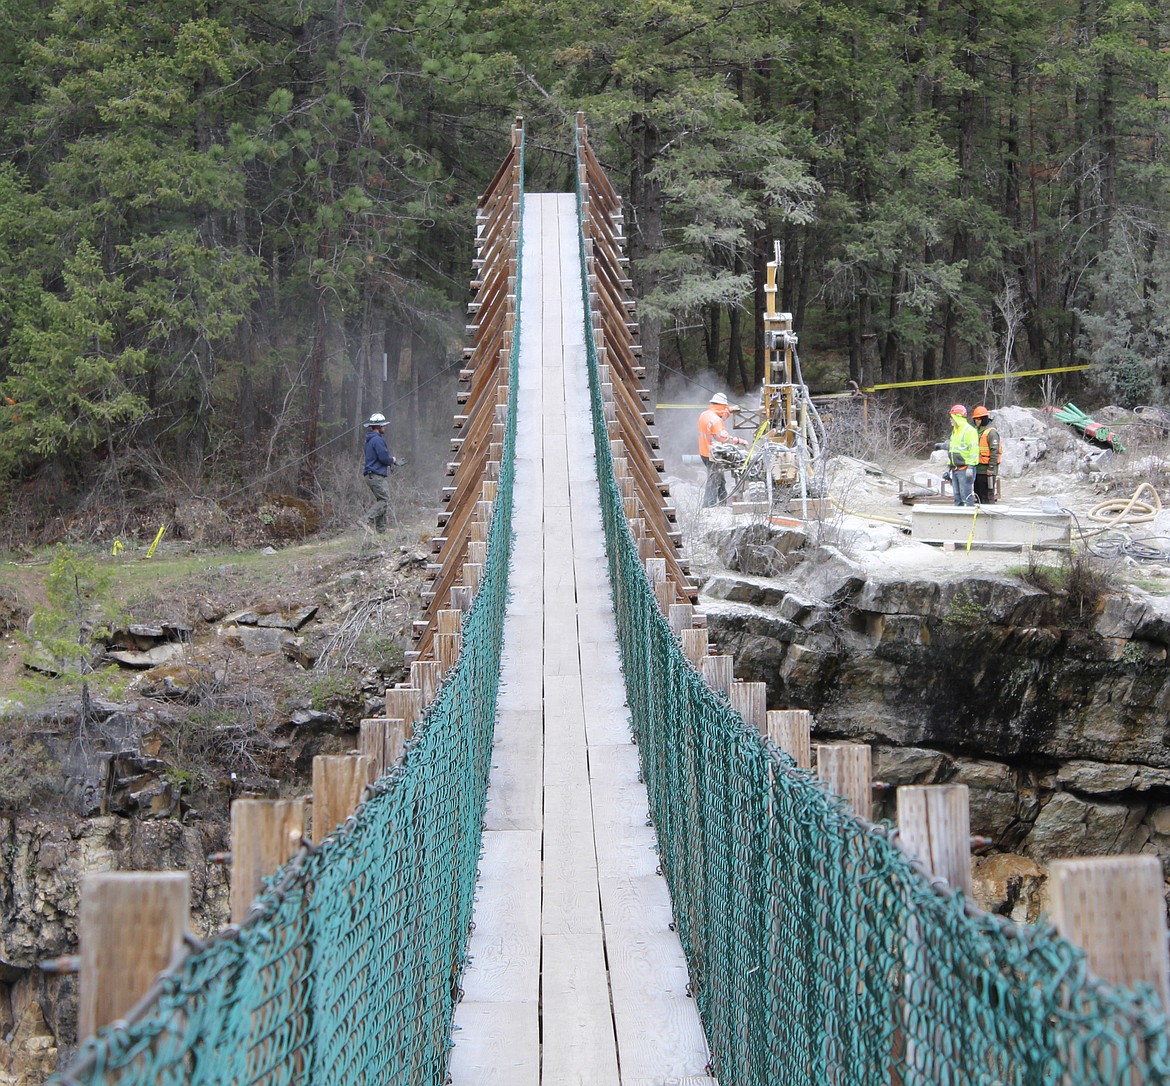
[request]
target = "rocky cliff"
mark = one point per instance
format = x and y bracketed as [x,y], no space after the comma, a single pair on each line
[42,861]
[222,696]
[1049,700]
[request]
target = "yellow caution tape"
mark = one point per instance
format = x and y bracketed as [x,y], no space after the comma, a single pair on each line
[970,380]
[907,384]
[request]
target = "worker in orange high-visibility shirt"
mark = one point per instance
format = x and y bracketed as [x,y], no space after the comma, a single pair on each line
[713,427]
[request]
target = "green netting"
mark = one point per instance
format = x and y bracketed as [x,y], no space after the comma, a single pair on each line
[347,970]
[817,952]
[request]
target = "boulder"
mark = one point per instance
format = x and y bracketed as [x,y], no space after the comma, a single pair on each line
[1068,825]
[899,597]
[1121,615]
[1155,623]
[272,616]
[301,717]
[1105,778]
[185,682]
[760,548]
[292,619]
[256,640]
[794,608]
[1010,885]
[153,657]
[1159,821]
[993,796]
[759,593]
[830,576]
[896,766]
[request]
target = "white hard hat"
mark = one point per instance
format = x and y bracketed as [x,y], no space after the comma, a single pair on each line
[719,398]
[377,419]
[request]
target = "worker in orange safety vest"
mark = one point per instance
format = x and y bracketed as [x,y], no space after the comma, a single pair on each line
[990,456]
[712,428]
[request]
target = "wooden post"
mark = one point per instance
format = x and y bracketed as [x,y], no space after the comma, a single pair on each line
[130,928]
[665,593]
[372,742]
[790,730]
[404,703]
[1112,908]
[447,649]
[718,671]
[449,622]
[934,824]
[394,743]
[427,676]
[655,570]
[694,643]
[750,701]
[382,740]
[338,783]
[680,617]
[847,769]
[935,828]
[265,833]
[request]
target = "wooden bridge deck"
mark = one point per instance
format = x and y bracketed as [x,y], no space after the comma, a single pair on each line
[575,975]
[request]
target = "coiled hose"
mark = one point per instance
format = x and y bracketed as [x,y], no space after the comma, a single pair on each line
[1119,512]
[1128,511]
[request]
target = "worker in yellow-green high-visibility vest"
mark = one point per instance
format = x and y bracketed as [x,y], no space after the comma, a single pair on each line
[962,456]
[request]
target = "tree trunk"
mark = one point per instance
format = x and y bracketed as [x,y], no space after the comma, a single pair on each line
[316,370]
[870,369]
[711,322]
[1107,133]
[736,375]
[891,348]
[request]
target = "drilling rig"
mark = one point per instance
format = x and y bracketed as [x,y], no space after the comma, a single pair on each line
[789,433]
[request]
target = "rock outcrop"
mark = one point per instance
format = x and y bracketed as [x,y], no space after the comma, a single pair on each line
[41,865]
[1051,705]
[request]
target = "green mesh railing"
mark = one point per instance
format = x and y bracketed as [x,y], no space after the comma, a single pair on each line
[347,970]
[818,952]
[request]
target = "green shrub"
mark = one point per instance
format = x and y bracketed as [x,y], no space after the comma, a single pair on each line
[963,611]
[78,603]
[29,775]
[1080,580]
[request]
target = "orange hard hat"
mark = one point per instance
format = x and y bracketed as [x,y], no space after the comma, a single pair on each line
[959,409]
[980,412]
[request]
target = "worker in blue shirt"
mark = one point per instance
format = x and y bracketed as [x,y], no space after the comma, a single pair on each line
[378,463]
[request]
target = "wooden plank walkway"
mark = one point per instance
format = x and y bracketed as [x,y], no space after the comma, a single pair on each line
[575,975]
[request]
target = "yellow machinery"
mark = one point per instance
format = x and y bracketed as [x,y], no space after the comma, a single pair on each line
[791,435]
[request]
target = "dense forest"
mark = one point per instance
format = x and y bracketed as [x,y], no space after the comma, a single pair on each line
[230,230]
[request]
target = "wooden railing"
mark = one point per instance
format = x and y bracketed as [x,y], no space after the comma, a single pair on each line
[460,547]
[638,467]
